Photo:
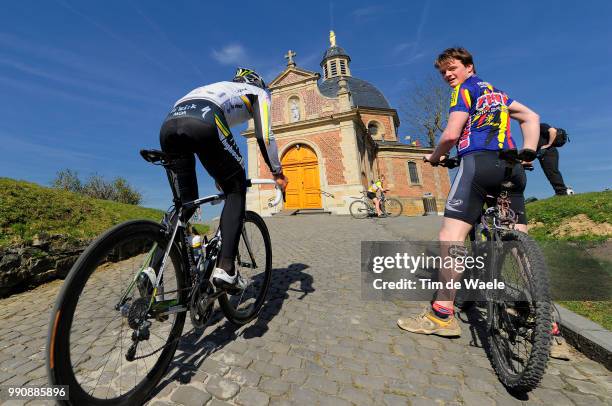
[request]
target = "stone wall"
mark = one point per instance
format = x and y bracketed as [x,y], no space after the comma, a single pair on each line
[47,258]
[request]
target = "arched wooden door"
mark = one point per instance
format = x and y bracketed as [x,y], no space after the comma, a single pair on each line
[301,167]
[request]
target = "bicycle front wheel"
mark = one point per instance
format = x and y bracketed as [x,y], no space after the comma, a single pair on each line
[254,262]
[359,209]
[393,207]
[521,318]
[106,300]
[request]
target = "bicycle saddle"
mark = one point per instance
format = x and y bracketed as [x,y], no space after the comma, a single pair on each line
[152,155]
[157,157]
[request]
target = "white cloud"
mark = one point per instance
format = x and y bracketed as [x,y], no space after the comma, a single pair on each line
[399,48]
[596,168]
[137,48]
[422,22]
[230,54]
[367,11]
[82,85]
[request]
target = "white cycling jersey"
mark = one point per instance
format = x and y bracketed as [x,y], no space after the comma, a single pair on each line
[240,102]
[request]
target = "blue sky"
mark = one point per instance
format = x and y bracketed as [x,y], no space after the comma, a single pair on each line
[85,85]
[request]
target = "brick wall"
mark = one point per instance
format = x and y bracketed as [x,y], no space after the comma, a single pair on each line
[385,121]
[312,102]
[398,178]
[329,145]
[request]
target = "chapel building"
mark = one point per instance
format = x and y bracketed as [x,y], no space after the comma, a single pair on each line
[336,133]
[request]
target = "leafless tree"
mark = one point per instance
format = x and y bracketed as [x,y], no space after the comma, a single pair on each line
[424,110]
[118,190]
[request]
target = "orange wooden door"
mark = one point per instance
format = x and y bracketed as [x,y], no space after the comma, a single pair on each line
[292,193]
[300,165]
[311,188]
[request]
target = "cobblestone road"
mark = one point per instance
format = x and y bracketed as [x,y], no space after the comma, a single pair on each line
[316,341]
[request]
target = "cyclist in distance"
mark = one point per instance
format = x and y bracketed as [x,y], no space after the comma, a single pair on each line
[479,126]
[200,123]
[376,187]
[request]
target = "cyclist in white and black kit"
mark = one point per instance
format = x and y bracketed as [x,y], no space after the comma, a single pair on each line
[200,123]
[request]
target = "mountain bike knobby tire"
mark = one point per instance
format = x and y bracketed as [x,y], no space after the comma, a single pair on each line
[541,314]
[59,366]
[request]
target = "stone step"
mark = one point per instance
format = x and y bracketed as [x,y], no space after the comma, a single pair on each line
[312,211]
[286,212]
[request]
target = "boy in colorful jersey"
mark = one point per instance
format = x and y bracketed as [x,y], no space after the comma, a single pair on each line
[479,125]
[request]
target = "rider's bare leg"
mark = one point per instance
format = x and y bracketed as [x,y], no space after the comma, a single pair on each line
[377,205]
[521,228]
[452,233]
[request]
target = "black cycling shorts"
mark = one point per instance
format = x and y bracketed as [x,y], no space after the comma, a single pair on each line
[480,174]
[371,195]
[199,126]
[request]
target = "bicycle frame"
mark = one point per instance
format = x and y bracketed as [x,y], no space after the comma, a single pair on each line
[178,227]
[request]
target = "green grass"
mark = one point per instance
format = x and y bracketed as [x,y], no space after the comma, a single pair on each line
[551,212]
[571,267]
[27,209]
[599,312]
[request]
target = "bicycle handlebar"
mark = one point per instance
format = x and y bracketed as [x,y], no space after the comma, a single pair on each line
[512,156]
[279,194]
[449,163]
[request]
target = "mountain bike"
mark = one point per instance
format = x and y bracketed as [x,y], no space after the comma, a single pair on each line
[363,207]
[518,317]
[120,314]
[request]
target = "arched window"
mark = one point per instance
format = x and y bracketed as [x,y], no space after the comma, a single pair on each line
[373,129]
[414,173]
[294,109]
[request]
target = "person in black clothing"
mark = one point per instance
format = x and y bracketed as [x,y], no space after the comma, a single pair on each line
[548,155]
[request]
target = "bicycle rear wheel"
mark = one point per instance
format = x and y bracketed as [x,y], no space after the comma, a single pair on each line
[97,311]
[254,262]
[359,209]
[393,207]
[521,318]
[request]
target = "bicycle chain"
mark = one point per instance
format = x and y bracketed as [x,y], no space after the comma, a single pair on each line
[168,343]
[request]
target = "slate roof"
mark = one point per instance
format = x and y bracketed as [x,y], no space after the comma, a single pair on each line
[364,94]
[334,51]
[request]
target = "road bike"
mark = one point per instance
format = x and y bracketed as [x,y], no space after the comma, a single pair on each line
[518,317]
[363,207]
[120,314]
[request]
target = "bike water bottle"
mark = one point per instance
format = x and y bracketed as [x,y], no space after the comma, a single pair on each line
[196,246]
[145,281]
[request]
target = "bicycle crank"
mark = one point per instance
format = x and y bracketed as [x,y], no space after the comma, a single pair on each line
[201,305]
